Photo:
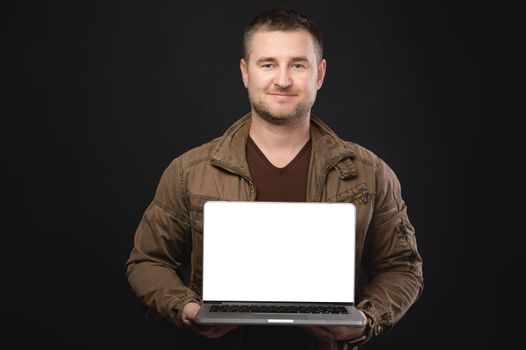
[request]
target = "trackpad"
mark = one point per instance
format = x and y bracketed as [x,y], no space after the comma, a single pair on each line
[282,316]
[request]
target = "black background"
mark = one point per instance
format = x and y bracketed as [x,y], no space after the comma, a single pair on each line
[98,98]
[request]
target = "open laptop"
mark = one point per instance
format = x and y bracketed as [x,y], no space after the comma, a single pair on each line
[278,263]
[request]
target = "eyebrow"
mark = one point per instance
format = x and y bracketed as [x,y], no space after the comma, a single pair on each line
[273,59]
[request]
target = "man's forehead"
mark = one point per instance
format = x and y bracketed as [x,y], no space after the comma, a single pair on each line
[282,43]
[276,36]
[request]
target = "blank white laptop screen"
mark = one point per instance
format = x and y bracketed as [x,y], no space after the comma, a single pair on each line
[278,251]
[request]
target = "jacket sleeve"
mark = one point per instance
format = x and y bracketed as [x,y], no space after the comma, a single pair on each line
[156,267]
[390,259]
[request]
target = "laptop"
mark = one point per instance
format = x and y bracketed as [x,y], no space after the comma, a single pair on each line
[278,263]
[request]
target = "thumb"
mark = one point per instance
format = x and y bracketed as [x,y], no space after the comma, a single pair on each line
[189,312]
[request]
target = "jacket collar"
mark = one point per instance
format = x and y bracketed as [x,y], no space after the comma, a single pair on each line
[328,150]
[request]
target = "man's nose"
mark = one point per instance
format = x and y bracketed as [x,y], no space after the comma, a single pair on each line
[282,78]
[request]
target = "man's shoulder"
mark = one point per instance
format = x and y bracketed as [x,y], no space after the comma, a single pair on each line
[369,159]
[362,154]
[198,154]
[324,133]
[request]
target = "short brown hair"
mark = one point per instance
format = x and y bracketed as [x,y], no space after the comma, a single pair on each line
[282,19]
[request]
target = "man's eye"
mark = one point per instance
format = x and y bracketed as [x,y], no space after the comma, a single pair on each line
[299,66]
[267,65]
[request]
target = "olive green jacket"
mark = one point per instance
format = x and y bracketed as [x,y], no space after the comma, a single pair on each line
[165,266]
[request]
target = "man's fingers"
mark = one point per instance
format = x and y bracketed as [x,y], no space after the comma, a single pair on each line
[338,332]
[320,333]
[190,311]
[214,331]
[346,332]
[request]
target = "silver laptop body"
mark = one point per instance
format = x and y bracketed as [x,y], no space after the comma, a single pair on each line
[278,263]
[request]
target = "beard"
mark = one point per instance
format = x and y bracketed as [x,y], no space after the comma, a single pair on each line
[300,111]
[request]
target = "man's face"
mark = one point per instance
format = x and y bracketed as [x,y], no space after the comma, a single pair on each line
[282,75]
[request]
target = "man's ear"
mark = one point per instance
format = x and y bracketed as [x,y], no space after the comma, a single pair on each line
[322,68]
[243,65]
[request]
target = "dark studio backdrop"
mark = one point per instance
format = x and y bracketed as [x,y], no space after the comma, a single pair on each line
[99,97]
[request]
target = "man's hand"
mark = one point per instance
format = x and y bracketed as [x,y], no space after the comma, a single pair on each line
[334,333]
[190,311]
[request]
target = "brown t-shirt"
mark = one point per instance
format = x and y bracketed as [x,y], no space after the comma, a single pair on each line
[287,184]
[273,184]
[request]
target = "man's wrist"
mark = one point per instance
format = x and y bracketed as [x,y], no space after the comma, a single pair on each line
[368,333]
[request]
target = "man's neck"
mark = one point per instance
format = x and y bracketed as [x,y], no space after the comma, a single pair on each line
[279,143]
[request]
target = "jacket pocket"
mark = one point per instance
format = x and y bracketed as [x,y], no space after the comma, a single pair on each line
[358,195]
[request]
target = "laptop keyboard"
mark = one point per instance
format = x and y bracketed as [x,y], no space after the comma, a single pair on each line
[287,309]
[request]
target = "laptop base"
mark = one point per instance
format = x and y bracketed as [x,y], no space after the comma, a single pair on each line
[206,317]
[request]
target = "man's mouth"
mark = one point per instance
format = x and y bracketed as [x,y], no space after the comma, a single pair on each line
[280,94]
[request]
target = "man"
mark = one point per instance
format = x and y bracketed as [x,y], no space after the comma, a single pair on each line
[277,152]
